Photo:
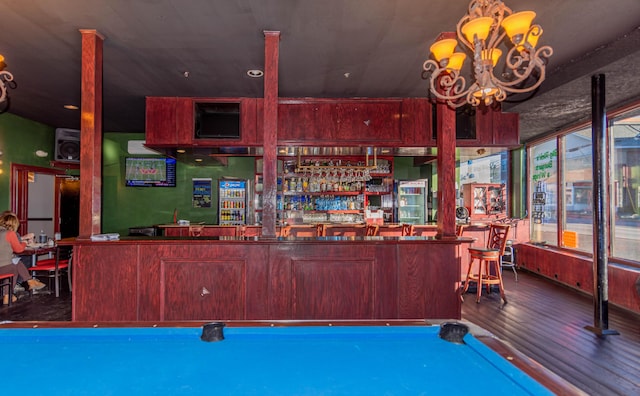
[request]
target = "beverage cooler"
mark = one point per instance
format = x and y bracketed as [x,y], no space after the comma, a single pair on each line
[234,208]
[411,201]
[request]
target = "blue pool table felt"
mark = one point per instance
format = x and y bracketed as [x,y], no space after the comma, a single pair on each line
[328,360]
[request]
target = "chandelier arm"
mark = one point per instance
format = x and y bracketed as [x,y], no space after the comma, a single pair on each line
[497,10]
[451,83]
[536,62]
[5,77]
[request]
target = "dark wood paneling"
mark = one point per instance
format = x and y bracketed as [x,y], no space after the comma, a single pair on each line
[506,131]
[185,121]
[160,121]
[211,289]
[416,123]
[371,121]
[419,266]
[306,121]
[338,290]
[576,271]
[105,282]
[151,279]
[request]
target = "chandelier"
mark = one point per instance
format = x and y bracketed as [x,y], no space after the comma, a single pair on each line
[5,77]
[481,31]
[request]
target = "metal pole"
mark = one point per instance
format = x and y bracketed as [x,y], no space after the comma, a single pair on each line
[600,205]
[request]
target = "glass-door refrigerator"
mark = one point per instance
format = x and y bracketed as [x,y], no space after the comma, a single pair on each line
[232,197]
[411,201]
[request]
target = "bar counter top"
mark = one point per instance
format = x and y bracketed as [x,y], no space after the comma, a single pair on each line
[144,240]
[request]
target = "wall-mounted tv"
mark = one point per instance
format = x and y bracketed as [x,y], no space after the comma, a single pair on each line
[150,172]
[217,120]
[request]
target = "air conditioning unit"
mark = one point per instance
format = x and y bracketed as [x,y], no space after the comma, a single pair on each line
[137,147]
[67,145]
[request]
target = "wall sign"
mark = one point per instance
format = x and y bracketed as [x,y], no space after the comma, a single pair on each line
[201,193]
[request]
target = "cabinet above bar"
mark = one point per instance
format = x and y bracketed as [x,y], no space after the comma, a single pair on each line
[173,122]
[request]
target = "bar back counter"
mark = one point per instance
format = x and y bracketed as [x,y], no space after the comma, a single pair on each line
[251,278]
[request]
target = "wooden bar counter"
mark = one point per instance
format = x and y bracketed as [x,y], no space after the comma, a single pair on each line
[249,278]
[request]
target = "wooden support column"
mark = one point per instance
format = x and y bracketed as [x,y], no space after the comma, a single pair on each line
[90,134]
[270,130]
[446,162]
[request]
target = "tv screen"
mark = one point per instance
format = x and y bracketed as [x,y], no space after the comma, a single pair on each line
[150,172]
[217,121]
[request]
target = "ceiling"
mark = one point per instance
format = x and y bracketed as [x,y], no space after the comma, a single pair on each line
[328,48]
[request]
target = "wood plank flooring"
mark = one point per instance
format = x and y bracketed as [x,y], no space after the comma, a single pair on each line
[543,320]
[546,322]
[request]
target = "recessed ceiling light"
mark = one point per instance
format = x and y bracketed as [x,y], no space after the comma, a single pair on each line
[198,159]
[255,73]
[71,107]
[181,151]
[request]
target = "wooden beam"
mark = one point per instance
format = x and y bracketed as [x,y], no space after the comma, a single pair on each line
[270,131]
[91,134]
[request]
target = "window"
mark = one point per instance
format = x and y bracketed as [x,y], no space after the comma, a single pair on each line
[625,186]
[543,165]
[577,174]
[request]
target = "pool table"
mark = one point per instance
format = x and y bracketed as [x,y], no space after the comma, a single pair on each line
[397,358]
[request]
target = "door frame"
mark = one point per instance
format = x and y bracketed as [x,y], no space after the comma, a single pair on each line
[20,192]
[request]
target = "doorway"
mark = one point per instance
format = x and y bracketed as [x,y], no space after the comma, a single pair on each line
[45,200]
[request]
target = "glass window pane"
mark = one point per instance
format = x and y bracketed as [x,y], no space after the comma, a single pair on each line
[578,191]
[625,185]
[543,163]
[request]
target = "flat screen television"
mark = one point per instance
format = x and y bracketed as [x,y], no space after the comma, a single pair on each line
[217,121]
[150,172]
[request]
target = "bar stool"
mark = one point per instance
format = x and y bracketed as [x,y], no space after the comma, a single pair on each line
[489,270]
[408,230]
[372,230]
[6,281]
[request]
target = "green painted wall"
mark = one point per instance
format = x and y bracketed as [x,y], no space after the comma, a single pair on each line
[19,140]
[124,207]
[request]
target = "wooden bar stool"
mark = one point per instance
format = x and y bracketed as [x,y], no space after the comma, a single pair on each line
[408,230]
[489,271]
[6,282]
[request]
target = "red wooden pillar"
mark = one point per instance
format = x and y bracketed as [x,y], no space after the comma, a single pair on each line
[270,130]
[90,134]
[446,162]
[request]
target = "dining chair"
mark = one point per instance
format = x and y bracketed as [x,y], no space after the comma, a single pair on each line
[52,267]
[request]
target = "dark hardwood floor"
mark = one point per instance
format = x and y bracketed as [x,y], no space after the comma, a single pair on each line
[546,321]
[543,320]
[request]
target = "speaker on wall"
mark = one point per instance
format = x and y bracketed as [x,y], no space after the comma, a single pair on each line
[67,145]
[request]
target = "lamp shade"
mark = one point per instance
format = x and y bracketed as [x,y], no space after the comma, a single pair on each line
[455,61]
[443,49]
[477,27]
[493,54]
[518,24]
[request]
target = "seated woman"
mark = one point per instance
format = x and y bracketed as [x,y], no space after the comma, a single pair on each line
[9,244]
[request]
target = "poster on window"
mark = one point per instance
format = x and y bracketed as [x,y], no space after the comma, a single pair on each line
[201,193]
